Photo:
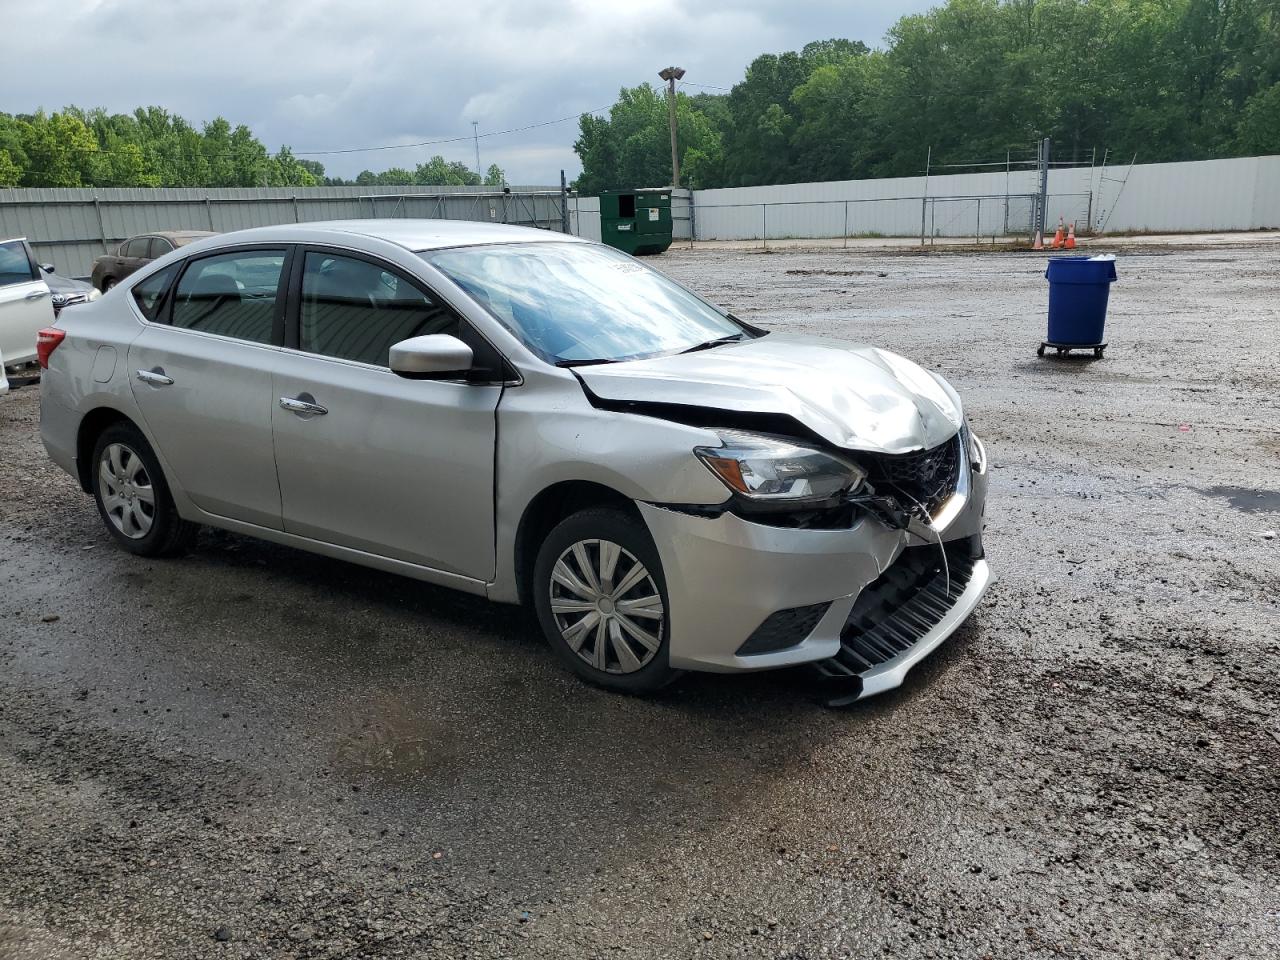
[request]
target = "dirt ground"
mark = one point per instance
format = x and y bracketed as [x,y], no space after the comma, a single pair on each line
[252,752]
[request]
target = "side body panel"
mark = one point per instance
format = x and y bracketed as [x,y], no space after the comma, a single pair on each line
[25,306]
[87,372]
[549,433]
[403,468]
[214,421]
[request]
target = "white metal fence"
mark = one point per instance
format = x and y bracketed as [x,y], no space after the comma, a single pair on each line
[1233,194]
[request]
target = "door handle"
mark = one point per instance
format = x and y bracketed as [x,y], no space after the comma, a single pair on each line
[303,407]
[37,294]
[156,378]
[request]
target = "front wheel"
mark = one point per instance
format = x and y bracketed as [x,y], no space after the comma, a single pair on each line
[601,600]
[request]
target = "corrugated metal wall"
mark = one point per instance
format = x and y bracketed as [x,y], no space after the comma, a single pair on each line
[1235,194]
[70,227]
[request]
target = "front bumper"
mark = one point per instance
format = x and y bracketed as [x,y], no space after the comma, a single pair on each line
[726,576]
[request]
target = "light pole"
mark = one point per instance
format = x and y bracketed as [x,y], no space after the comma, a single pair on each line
[671,75]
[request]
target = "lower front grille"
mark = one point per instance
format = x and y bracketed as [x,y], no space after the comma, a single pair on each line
[904,603]
[783,629]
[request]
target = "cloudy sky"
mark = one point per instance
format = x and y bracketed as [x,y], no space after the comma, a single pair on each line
[323,75]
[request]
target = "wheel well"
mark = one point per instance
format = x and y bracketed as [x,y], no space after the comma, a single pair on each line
[548,508]
[91,428]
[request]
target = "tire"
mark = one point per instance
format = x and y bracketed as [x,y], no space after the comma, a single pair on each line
[132,496]
[625,651]
[108,283]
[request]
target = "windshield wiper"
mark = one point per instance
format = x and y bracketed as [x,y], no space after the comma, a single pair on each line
[585,363]
[708,344]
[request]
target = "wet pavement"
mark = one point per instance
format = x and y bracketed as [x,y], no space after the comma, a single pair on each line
[254,752]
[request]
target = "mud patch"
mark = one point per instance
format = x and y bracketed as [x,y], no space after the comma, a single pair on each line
[390,740]
[1247,499]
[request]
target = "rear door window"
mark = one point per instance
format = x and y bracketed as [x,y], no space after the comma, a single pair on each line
[231,294]
[159,247]
[356,310]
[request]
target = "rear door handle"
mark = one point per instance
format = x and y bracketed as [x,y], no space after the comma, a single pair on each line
[37,294]
[304,405]
[156,378]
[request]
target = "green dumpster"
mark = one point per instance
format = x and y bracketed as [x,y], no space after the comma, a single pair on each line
[637,221]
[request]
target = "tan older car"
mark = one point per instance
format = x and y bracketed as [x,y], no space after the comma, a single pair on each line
[110,268]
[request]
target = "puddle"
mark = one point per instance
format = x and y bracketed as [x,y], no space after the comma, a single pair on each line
[1247,499]
[392,741]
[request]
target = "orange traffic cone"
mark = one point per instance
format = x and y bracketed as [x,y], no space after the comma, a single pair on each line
[1039,244]
[1071,236]
[1057,236]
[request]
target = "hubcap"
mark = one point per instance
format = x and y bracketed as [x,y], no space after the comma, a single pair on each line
[128,499]
[606,606]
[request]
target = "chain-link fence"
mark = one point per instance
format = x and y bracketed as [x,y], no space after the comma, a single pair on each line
[992,218]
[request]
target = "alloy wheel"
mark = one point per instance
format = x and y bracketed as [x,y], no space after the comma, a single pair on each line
[128,498]
[606,606]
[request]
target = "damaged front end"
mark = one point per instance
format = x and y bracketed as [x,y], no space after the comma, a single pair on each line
[851,534]
[858,562]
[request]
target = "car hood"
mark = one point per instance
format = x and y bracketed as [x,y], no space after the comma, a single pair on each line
[852,395]
[68,285]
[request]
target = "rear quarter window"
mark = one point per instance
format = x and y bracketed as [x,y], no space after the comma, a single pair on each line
[149,293]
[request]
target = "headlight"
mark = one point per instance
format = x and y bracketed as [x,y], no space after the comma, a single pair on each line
[773,470]
[977,450]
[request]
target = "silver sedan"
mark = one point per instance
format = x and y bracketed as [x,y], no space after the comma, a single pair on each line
[537,419]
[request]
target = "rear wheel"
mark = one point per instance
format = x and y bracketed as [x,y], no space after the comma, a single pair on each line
[602,601]
[132,496]
[108,283]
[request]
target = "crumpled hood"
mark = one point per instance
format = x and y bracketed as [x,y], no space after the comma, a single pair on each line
[852,395]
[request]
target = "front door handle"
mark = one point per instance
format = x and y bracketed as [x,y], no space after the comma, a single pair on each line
[155,377]
[37,294]
[304,405]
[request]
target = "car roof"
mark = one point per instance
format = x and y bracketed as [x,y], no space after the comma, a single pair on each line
[177,234]
[413,235]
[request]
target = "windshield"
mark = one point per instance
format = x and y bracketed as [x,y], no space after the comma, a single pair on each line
[578,303]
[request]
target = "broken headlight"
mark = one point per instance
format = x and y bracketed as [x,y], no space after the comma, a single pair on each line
[773,470]
[977,450]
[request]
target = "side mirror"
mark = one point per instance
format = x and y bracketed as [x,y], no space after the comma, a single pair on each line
[437,356]
[47,267]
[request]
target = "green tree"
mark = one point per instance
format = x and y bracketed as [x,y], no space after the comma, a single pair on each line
[1259,130]
[10,172]
[632,148]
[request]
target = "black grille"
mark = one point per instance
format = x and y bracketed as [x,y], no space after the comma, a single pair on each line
[901,606]
[783,629]
[927,477]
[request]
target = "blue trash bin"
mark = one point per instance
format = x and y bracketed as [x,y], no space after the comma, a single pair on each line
[1078,291]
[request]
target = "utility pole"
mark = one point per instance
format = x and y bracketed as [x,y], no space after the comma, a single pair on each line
[564,204]
[671,75]
[475,135]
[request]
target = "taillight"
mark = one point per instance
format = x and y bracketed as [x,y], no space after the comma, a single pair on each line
[47,341]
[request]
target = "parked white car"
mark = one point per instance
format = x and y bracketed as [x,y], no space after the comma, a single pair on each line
[531,417]
[25,303]
[4,380]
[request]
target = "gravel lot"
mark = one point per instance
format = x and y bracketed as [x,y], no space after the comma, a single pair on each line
[253,752]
